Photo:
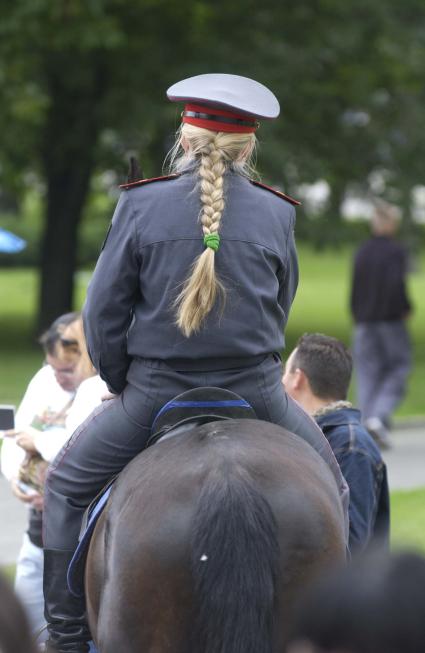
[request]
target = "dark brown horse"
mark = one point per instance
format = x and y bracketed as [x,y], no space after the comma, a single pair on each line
[207,539]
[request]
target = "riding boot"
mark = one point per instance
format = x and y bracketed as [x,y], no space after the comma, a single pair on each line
[65,613]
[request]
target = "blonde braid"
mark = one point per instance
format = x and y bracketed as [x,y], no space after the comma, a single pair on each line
[211,172]
[201,289]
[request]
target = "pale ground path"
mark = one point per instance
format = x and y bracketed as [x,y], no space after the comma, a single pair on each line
[405,462]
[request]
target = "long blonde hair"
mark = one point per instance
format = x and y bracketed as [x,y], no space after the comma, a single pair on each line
[214,152]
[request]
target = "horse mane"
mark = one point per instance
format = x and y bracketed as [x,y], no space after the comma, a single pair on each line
[234,559]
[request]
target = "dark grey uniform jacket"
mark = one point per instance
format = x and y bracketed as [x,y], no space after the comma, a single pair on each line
[154,238]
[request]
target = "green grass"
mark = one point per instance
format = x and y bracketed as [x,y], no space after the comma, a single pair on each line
[321,305]
[20,355]
[9,572]
[408,519]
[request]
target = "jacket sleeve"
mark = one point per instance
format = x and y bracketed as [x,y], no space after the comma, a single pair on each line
[362,476]
[288,282]
[111,296]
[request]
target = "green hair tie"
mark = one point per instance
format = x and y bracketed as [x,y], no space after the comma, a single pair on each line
[212,241]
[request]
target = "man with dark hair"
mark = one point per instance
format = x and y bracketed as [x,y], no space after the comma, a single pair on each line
[317,375]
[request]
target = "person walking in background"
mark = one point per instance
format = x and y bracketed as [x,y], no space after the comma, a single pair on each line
[380,307]
[317,375]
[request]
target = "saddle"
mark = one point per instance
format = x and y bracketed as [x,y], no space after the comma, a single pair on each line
[183,413]
[196,407]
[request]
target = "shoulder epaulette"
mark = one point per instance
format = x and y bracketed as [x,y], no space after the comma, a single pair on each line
[276,192]
[142,182]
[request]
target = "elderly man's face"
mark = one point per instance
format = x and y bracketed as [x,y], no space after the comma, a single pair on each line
[64,372]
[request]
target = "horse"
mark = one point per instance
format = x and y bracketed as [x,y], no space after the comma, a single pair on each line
[207,540]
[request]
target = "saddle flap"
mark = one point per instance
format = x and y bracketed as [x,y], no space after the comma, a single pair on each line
[75,575]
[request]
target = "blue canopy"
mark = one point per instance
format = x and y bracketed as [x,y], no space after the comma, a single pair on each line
[10,243]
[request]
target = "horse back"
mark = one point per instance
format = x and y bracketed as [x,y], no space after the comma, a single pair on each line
[144,544]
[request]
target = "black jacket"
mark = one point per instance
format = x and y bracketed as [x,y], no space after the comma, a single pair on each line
[378,291]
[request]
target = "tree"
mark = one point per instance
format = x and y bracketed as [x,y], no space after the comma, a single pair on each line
[83,83]
[86,66]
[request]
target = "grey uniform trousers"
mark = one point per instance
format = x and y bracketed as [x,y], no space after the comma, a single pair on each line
[118,430]
[382,360]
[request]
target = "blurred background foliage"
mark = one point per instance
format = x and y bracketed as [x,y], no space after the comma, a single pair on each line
[83,88]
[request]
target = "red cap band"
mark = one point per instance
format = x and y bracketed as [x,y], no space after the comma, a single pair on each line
[218,120]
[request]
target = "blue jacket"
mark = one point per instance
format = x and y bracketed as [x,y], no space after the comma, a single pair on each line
[154,238]
[366,474]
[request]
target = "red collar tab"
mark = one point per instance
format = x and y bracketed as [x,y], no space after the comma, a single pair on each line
[219,120]
[276,192]
[142,182]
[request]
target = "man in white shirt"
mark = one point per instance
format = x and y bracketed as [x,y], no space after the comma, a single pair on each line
[40,427]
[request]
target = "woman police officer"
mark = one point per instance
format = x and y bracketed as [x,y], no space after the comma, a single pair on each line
[192,288]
